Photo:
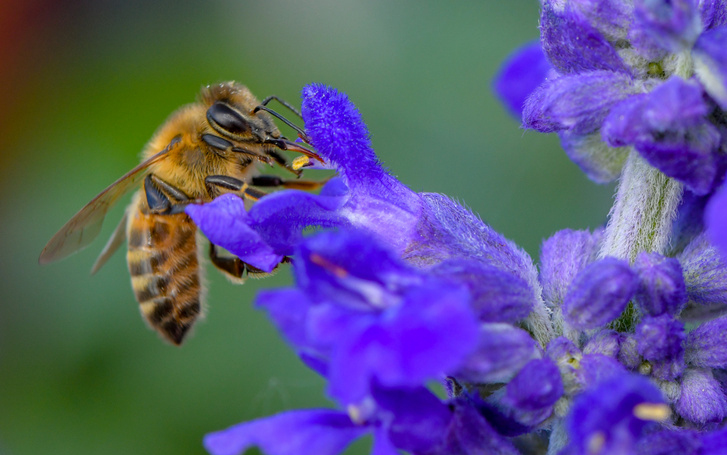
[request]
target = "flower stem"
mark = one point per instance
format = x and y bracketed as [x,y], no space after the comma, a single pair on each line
[641,218]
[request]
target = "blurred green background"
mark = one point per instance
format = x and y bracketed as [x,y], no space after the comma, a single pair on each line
[85,84]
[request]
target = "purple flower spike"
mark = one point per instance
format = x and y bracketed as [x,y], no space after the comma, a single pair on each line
[522,73]
[661,284]
[225,223]
[707,344]
[599,294]
[610,418]
[702,399]
[304,432]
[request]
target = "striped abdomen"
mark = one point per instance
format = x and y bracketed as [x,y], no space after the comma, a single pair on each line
[165,271]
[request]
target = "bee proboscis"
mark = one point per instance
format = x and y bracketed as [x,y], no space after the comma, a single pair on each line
[203,149]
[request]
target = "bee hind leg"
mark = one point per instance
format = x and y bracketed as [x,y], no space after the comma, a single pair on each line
[233,267]
[275,181]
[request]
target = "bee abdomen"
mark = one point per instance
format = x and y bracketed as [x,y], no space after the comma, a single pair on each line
[165,272]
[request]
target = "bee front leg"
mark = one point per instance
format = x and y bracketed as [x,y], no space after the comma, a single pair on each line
[159,196]
[275,181]
[216,182]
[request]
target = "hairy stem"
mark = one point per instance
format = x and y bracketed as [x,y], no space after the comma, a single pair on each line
[641,218]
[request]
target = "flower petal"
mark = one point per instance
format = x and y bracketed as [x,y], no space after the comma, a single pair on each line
[572,44]
[705,273]
[496,295]
[601,162]
[702,399]
[599,293]
[577,103]
[716,220]
[661,25]
[707,344]
[502,351]
[661,284]
[304,432]
[669,128]
[562,257]
[225,223]
[521,73]
[603,419]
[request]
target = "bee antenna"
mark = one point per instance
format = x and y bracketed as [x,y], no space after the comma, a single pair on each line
[301,133]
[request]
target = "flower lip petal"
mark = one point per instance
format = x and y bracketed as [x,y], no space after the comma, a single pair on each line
[225,223]
[303,432]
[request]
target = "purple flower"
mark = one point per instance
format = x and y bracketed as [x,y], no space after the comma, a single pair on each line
[389,322]
[661,284]
[363,195]
[645,74]
[611,417]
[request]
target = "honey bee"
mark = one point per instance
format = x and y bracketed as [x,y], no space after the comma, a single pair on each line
[204,149]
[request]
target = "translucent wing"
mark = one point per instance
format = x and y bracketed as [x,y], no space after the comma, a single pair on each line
[85,225]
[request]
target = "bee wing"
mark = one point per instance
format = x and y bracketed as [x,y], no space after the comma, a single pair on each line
[85,225]
[113,244]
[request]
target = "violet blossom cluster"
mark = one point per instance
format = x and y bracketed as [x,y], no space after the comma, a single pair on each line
[614,343]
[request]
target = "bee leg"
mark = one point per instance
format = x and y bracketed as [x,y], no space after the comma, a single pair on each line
[214,182]
[275,181]
[233,266]
[159,195]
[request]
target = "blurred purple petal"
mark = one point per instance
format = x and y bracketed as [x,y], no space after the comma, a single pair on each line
[304,432]
[713,12]
[415,418]
[702,399]
[502,351]
[496,295]
[531,394]
[611,18]
[603,419]
[523,71]
[605,342]
[707,344]
[664,25]
[225,223]
[578,103]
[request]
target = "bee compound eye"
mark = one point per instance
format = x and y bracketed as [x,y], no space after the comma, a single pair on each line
[223,116]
